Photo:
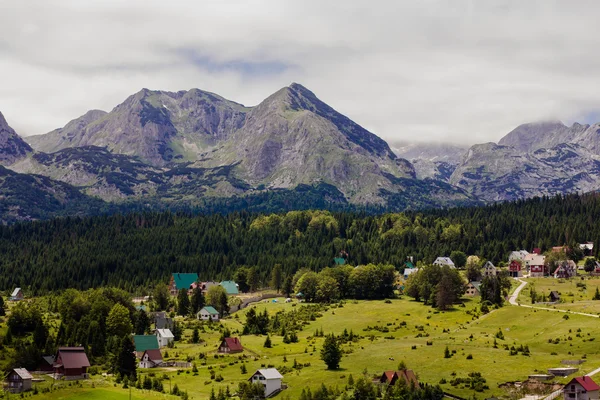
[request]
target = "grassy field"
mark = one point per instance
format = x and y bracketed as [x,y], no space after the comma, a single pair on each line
[573,297]
[405,330]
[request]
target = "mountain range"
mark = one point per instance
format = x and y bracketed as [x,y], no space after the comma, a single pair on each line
[193,148]
[196,149]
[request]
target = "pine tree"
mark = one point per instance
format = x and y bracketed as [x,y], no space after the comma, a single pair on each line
[2,309]
[183,302]
[197,301]
[331,353]
[142,323]
[126,361]
[597,294]
[267,342]
[276,277]
[195,335]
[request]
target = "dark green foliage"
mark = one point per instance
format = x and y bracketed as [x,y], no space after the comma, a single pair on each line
[195,335]
[197,301]
[183,302]
[251,391]
[161,297]
[493,287]
[142,323]
[2,309]
[439,286]
[126,361]
[459,258]
[267,343]
[256,324]
[590,264]
[331,353]
[596,294]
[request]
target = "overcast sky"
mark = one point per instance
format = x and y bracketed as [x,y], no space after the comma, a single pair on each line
[451,71]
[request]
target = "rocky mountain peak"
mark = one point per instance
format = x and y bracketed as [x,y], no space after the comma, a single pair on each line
[12,146]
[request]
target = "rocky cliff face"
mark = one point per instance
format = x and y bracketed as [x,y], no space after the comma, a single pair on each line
[431,160]
[12,147]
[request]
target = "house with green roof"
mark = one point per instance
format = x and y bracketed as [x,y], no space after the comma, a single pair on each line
[208,313]
[230,287]
[145,342]
[181,281]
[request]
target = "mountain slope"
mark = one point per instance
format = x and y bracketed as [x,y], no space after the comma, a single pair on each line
[12,147]
[156,126]
[431,160]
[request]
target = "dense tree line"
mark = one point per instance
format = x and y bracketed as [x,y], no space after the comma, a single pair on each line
[135,251]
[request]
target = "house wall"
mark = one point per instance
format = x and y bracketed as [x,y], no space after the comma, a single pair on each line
[579,393]
[272,385]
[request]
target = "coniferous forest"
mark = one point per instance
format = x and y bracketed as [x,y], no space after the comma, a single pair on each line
[137,250]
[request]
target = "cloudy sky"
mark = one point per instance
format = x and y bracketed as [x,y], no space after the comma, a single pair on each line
[447,71]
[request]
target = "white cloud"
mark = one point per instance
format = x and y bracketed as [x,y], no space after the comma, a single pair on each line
[459,71]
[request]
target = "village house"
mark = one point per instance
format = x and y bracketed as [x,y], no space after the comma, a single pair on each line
[161,321]
[407,375]
[230,345]
[270,378]
[409,271]
[143,343]
[204,286]
[230,287]
[518,255]
[566,269]
[581,388]
[587,248]
[536,265]
[151,358]
[515,268]
[164,336]
[473,289]
[17,294]
[181,281]
[18,380]
[46,364]
[444,261]
[71,363]
[488,269]
[554,296]
[208,313]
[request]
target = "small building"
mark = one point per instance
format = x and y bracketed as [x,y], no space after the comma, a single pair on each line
[181,281]
[208,313]
[409,271]
[164,337]
[71,363]
[566,269]
[270,378]
[18,380]
[143,343]
[473,289]
[554,296]
[515,268]
[17,294]
[587,248]
[581,388]
[151,358]
[230,287]
[536,265]
[489,269]
[407,375]
[161,321]
[518,255]
[230,345]
[444,261]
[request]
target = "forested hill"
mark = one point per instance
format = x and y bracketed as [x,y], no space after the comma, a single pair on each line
[137,250]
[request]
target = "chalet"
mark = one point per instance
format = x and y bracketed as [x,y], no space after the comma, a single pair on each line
[204,286]
[230,287]
[536,265]
[488,269]
[230,345]
[566,269]
[17,295]
[407,375]
[181,281]
[208,313]
[444,261]
[151,358]
[164,337]
[18,380]
[473,289]
[46,364]
[554,296]
[515,268]
[71,363]
[270,378]
[143,343]
[587,248]
[581,388]
[518,255]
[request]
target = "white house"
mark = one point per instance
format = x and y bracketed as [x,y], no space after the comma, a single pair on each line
[17,294]
[270,378]
[442,261]
[151,358]
[518,255]
[409,271]
[208,313]
[581,388]
[488,269]
[164,337]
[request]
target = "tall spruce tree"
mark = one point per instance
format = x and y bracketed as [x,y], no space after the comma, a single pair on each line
[183,302]
[126,361]
[331,352]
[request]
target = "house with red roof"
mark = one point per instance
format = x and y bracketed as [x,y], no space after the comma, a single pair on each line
[581,388]
[230,345]
[514,269]
[151,358]
[71,363]
[407,375]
